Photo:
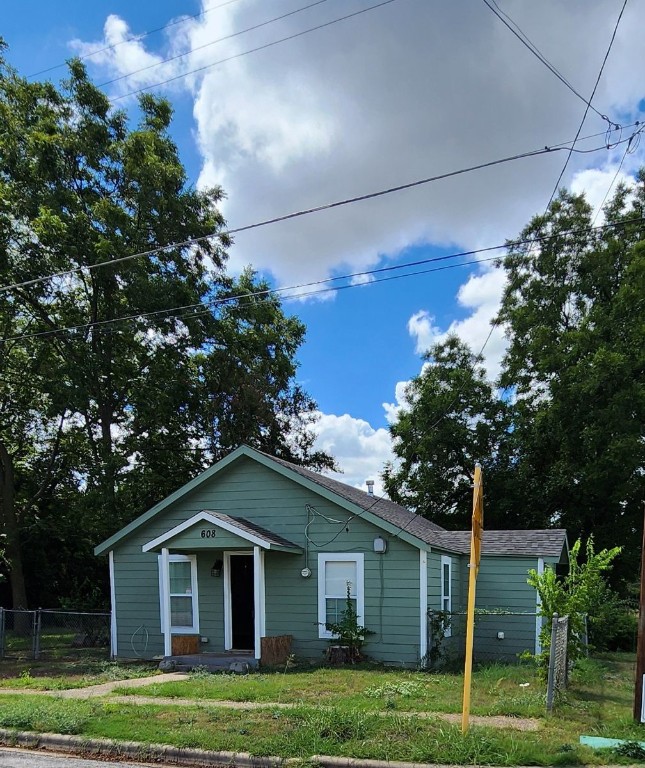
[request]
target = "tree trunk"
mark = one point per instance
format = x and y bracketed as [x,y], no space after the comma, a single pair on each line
[10,520]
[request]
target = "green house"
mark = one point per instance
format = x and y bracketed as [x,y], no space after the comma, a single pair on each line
[257,548]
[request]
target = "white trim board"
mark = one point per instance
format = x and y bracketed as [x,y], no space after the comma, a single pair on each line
[205,517]
[323,559]
[164,560]
[423,607]
[113,626]
[446,560]
[538,605]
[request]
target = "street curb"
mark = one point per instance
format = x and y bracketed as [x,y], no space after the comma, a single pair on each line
[160,753]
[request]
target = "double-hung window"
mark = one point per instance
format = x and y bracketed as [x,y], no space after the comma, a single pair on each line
[446,589]
[182,578]
[340,577]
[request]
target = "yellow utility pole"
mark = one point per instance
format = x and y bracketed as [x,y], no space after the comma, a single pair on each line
[473,567]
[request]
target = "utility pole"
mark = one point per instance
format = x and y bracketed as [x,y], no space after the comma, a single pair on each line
[640,647]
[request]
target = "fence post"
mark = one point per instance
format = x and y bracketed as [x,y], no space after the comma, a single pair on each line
[37,628]
[2,626]
[550,687]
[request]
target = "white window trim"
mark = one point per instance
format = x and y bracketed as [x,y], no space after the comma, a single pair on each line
[538,605]
[323,559]
[446,560]
[165,599]
[423,607]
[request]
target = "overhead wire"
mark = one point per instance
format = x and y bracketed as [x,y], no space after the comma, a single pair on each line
[563,146]
[210,43]
[202,308]
[629,149]
[634,137]
[526,41]
[586,112]
[270,44]
[136,37]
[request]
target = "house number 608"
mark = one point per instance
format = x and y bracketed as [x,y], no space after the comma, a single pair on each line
[208,533]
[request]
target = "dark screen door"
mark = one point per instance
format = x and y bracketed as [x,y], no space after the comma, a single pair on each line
[242,602]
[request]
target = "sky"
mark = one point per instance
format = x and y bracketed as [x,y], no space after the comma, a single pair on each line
[285,118]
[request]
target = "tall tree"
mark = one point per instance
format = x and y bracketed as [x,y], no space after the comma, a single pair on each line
[108,416]
[452,419]
[575,312]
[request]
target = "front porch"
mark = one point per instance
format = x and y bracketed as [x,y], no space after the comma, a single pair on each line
[212,592]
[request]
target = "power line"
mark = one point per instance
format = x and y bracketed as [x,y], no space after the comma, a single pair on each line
[133,38]
[252,50]
[207,307]
[304,212]
[524,39]
[212,42]
[593,93]
[629,149]
[495,322]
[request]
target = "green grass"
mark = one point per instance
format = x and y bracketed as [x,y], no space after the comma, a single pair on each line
[364,715]
[63,674]
[499,690]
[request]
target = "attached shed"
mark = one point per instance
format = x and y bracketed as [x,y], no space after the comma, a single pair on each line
[256,547]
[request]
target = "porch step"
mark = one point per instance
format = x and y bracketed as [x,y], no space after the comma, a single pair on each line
[213,662]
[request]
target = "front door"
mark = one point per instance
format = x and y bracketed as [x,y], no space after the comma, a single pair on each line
[242,603]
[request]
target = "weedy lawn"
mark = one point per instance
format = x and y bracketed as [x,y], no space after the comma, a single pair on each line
[360,713]
[64,674]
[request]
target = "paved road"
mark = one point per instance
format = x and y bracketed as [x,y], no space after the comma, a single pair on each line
[24,758]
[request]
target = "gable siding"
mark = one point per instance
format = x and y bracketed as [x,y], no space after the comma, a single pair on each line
[249,490]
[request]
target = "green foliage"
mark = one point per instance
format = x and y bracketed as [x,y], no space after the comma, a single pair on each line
[579,594]
[439,623]
[101,422]
[575,318]
[348,631]
[453,419]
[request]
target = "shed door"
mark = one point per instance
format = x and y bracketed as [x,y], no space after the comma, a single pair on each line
[242,601]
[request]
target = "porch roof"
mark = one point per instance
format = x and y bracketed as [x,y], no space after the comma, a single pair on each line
[241,529]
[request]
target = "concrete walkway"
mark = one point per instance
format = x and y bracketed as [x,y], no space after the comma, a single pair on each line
[107,690]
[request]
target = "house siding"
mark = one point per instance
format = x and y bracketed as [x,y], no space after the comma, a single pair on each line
[252,491]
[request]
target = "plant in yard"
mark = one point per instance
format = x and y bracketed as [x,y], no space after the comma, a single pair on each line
[581,592]
[439,623]
[347,631]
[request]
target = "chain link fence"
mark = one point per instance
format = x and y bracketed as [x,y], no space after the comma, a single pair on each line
[558,659]
[500,636]
[49,634]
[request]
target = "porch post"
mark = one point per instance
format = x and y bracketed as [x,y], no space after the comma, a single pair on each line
[165,600]
[258,598]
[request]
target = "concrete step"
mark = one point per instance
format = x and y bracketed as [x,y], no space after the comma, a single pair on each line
[213,662]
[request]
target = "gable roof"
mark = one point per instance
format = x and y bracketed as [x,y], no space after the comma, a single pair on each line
[538,543]
[252,533]
[391,517]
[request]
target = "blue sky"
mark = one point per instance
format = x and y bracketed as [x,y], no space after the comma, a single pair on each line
[400,92]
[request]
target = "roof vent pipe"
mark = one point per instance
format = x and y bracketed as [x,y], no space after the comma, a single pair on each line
[370,487]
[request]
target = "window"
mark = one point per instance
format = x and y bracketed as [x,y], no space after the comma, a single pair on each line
[446,588]
[184,615]
[337,573]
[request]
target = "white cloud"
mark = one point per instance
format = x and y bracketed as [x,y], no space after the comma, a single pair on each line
[421,327]
[595,183]
[481,295]
[405,91]
[360,450]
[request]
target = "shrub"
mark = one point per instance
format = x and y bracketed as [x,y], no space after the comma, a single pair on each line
[583,591]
